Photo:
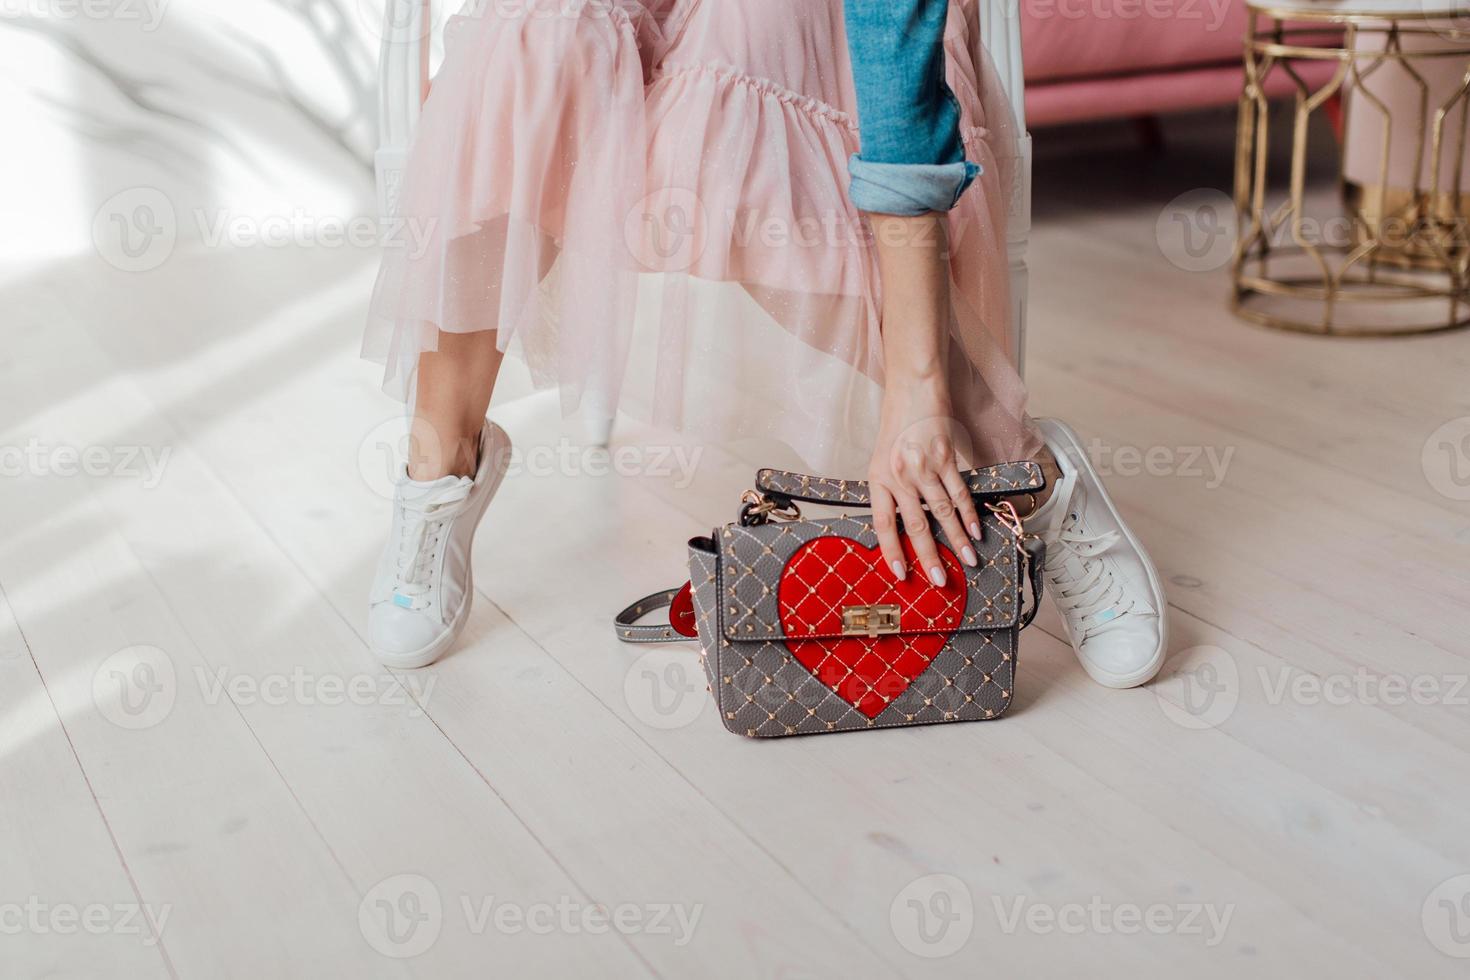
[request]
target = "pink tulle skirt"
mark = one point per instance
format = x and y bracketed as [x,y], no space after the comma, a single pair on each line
[648,202]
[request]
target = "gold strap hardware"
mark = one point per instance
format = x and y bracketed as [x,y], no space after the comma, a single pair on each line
[758,508]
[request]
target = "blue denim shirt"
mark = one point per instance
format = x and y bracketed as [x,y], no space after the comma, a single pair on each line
[912,160]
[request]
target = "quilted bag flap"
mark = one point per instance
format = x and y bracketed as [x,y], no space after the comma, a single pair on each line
[826,578]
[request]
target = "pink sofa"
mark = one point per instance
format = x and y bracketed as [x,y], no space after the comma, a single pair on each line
[1097,59]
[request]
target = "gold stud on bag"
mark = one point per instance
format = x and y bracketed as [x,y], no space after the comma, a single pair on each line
[804,630]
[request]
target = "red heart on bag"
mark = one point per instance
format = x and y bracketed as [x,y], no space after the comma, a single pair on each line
[827,574]
[681,612]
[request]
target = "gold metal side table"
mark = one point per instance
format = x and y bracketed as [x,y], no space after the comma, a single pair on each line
[1378,259]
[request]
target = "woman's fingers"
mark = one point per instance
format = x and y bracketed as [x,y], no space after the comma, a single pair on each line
[916,526]
[938,497]
[964,503]
[885,525]
[915,484]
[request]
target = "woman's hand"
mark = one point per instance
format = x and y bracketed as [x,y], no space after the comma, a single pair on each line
[915,464]
[915,461]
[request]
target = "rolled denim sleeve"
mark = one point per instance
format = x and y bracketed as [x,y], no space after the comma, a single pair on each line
[908,188]
[912,159]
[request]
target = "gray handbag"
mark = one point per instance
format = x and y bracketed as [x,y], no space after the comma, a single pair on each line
[803,630]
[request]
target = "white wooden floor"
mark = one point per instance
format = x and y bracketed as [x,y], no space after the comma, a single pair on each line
[204,774]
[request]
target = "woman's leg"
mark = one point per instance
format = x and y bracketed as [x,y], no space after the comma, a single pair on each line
[534,128]
[451,398]
[421,594]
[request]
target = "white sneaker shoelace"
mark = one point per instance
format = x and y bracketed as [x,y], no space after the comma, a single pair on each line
[1086,591]
[421,533]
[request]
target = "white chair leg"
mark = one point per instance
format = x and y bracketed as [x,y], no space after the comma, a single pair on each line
[1000,30]
[597,427]
[1019,237]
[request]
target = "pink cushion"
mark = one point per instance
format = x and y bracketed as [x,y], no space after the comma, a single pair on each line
[1086,38]
[1137,95]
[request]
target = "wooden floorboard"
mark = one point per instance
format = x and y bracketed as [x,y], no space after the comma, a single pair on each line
[62,859]
[543,765]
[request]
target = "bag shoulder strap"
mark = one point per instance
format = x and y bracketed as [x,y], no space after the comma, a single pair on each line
[631,631]
[1035,550]
[1000,480]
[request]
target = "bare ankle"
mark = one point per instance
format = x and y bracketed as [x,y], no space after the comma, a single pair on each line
[1050,470]
[435,458]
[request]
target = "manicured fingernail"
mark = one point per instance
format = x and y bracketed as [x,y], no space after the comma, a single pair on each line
[899,571]
[975,531]
[936,575]
[968,554]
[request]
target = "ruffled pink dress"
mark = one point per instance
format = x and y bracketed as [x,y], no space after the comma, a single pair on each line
[648,201]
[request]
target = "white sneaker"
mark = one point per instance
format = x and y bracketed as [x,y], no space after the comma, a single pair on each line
[1101,579]
[424,586]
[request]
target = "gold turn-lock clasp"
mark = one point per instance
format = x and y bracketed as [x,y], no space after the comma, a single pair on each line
[869,620]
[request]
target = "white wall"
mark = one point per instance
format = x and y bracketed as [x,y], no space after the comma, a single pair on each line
[243,118]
